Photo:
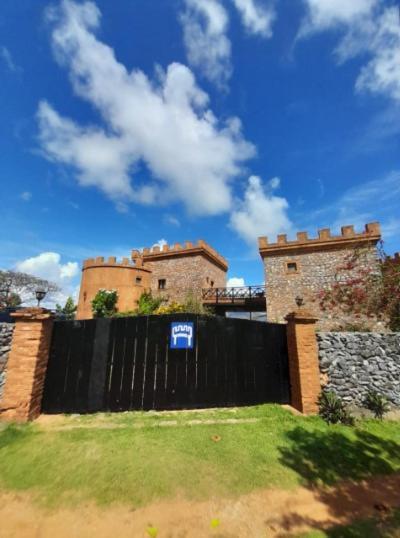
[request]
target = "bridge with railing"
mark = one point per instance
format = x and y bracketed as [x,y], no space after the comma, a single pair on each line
[249,298]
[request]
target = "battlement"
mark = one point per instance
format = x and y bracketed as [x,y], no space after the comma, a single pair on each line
[112,261]
[325,241]
[179,250]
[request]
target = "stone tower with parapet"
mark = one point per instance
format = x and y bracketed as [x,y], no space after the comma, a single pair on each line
[304,267]
[182,269]
[170,272]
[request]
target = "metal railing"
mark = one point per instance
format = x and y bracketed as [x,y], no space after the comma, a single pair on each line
[232,295]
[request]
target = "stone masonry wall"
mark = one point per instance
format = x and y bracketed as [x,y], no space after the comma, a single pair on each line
[353,363]
[184,274]
[315,272]
[6,332]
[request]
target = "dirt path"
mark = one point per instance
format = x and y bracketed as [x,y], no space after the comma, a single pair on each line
[266,513]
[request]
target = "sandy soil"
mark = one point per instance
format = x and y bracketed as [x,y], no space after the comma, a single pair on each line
[266,513]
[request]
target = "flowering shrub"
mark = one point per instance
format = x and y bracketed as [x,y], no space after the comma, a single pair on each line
[172,308]
[364,291]
[104,303]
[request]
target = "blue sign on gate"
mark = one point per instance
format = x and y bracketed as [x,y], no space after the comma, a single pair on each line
[182,335]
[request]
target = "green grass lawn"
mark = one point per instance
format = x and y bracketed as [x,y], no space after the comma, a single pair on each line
[137,457]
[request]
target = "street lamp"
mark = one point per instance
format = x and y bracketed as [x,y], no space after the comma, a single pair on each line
[40,295]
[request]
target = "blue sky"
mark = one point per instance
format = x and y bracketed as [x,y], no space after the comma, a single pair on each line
[126,123]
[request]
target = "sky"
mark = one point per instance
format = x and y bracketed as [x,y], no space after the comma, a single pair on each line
[139,122]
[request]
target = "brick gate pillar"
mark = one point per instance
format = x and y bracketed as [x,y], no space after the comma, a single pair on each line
[303,361]
[27,363]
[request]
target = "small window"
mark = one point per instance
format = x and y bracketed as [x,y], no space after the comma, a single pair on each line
[84,296]
[162,284]
[212,283]
[291,267]
[138,280]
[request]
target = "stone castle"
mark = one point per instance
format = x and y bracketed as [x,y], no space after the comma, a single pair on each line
[293,269]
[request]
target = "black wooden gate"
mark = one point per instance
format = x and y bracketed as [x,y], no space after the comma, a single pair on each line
[127,363]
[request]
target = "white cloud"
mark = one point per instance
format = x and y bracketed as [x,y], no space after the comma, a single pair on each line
[205,23]
[382,40]
[164,124]
[160,243]
[326,14]
[260,212]
[48,266]
[26,196]
[371,30]
[256,18]
[235,282]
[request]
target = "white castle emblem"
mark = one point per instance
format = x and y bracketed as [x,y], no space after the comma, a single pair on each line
[183,331]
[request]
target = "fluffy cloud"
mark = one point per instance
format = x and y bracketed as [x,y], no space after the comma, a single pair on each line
[161,243]
[165,124]
[205,24]
[324,14]
[381,39]
[369,29]
[235,282]
[261,212]
[205,28]
[256,18]
[48,266]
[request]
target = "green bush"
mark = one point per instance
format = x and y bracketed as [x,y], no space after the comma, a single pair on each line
[104,303]
[333,410]
[148,304]
[376,403]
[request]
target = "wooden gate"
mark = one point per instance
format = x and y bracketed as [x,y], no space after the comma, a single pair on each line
[127,363]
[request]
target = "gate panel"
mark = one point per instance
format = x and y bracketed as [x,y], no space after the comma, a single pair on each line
[127,363]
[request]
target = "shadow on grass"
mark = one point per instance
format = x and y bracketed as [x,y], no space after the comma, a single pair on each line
[357,462]
[325,457]
[12,434]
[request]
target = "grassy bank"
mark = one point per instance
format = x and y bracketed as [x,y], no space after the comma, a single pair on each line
[138,457]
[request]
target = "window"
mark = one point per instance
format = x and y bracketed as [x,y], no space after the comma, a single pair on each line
[162,284]
[212,283]
[138,280]
[291,267]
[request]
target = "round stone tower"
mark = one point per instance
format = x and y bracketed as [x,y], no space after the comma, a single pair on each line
[129,279]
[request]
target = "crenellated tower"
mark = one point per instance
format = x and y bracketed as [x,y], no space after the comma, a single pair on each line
[303,267]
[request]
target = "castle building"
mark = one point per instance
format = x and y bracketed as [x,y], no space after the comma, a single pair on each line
[304,267]
[293,269]
[169,272]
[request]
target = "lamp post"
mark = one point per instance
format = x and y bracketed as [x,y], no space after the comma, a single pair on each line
[40,295]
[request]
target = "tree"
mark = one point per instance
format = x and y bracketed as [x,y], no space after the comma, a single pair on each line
[67,311]
[17,288]
[104,305]
[364,291]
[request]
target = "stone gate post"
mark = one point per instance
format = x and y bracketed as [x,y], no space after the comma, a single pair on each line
[303,361]
[27,363]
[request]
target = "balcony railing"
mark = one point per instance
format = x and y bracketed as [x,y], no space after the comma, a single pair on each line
[232,295]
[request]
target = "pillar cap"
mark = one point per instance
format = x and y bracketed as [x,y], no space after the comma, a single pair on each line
[32,313]
[301,315]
